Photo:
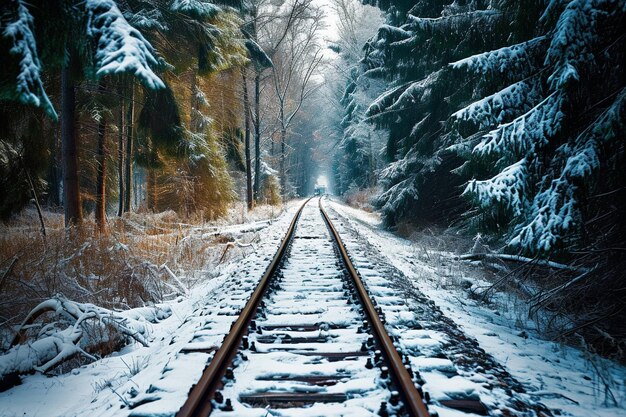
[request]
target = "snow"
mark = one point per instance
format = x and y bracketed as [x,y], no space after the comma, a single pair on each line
[500,107]
[196,8]
[29,87]
[528,132]
[155,379]
[120,47]
[561,377]
[508,188]
[508,58]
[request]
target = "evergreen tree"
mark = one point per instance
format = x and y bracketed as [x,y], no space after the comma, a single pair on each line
[554,127]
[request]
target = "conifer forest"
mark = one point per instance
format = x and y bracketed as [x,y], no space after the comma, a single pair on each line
[153,153]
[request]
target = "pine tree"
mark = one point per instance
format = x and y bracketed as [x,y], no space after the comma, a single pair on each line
[412,52]
[549,131]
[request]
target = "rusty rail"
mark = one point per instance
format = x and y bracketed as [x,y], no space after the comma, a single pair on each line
[198,403]
[412,399]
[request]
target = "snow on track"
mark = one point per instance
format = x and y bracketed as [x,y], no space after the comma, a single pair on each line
[155,380]
[561,377]
[458,378]
[310,295]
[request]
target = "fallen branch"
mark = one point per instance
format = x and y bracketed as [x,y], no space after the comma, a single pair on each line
[543,297]
[54,345]
[232,245]
[175,278]
[518,258]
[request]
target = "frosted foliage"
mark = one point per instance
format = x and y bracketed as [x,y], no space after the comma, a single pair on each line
[257,54]
[555,211]
[120,47]
[385,100]
[397,195]
[501,106]
[416,92]
[516,58]
[575,36]
[507,189]
[453,23]
[29,86]
[202,9]
[526,133]
[149,20]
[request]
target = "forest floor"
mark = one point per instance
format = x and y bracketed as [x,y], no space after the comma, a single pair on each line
[154,379]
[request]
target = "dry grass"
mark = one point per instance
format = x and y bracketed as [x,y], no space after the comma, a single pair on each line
[362,198]
[118,270]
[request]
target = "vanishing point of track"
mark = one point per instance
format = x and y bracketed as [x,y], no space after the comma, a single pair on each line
[265,333]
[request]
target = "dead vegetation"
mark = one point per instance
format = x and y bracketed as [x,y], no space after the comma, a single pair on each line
[361,198]
[142,260]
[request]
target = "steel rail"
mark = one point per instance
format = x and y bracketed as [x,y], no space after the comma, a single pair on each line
[412,399]
[199,403]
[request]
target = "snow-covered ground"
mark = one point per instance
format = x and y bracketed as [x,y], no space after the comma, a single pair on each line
[563,378]
[155,380]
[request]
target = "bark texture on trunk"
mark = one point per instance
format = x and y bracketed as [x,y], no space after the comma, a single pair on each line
[130,131]
[257,136]
[101,170]
[283,174]
[120,154]
[246,109]
[69,150]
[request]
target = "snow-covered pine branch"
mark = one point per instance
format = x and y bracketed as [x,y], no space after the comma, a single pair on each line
[517,59]
[527,133]
[508,189]
[120,48]
[19,31]
[575,37]
[555,210]
[195,8]
[502,106]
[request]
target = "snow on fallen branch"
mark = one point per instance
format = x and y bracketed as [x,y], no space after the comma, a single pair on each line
[70,333]
[175,278]
[518,258]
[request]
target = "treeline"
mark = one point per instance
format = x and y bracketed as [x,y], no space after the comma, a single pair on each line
[504,117]
[108,106]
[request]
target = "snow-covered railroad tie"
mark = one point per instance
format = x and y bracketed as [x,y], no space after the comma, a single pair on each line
[307,343]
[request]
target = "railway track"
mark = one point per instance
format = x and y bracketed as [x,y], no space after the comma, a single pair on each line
[309,341]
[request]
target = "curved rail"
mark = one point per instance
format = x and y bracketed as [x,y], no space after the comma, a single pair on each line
[199,403]
[412,399]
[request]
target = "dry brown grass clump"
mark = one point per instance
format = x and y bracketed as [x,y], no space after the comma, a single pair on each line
[361,198]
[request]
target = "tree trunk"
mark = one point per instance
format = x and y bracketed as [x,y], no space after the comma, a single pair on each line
[246,109]
[129,150]
[69,153]
[54,172]
[120,153]
[101,167]
[283,174]
[151,186]
[257,136]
